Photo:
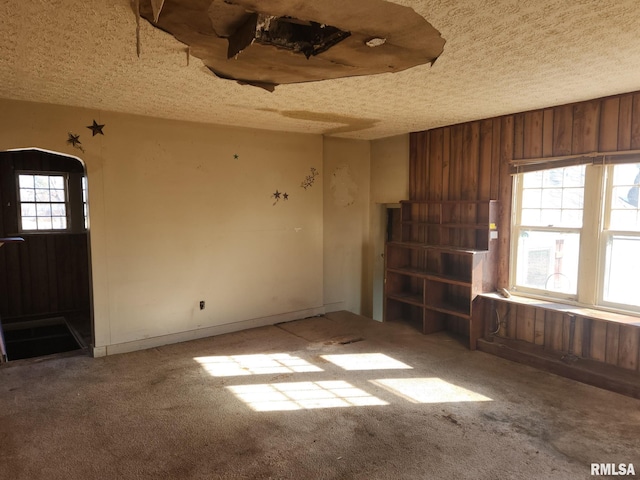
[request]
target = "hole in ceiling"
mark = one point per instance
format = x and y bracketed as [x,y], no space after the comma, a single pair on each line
[295,42]
[299,36]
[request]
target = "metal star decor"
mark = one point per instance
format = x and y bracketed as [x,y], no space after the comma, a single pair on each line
[285,196]
[74,140]
[96,128]
[236,156]
[276,195]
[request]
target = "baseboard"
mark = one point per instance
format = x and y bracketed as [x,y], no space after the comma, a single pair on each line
[335,307]
[152,342]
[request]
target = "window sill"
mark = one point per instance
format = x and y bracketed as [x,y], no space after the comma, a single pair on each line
[625,319]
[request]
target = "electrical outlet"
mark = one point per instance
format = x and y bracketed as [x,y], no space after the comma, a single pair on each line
[201,304]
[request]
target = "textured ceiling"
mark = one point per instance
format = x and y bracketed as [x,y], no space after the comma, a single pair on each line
[501,56]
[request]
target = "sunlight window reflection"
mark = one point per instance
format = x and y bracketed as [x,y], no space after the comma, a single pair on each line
[429,390]
[234,365]
[366,361]
[303,395]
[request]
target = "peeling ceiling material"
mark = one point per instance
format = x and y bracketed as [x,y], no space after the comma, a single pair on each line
[286,41]
[501,56]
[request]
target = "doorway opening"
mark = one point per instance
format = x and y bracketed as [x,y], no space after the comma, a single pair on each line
[45,271]
[387,228]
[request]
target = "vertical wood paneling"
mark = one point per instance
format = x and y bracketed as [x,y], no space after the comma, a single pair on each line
[486,160]
[455,163]
[586,119]
[553,330]
[613,340]
[504,216]
[471,161]
[566,332]
[446,160]
[526,323]
[496,179]
[635,122]
[539,327]
[598,340]
[628,347]
[578,337]
[518,142]
[532,135]
[609,113]
[547,133]
[624,122]
[435,164]
[562,130]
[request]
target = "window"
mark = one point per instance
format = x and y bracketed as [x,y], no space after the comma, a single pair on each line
[43,201]
[621,238]
[576,234]
[85,200]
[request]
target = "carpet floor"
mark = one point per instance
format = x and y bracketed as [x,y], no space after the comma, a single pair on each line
[333,397]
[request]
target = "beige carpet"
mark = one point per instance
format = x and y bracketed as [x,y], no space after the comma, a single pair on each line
[336,397]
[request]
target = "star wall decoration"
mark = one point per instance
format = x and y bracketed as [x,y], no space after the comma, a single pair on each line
[285,196]
[236,156]
[277,196]
[96,128]
[74,140]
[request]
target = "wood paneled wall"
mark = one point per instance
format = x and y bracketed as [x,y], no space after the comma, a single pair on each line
[47,273]
[472,160]
[613,343]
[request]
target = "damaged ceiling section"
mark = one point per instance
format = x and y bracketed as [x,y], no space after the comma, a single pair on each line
[287,41]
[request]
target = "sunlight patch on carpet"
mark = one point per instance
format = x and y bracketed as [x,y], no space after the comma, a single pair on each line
[303,396]
[259,364]
[429,390]
[366,361]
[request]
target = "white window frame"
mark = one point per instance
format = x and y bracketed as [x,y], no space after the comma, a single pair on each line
[65,177]
[594,238]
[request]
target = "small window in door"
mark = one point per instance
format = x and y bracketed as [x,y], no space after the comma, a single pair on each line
[43,202]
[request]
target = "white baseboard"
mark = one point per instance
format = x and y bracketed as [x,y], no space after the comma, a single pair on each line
[204,332]
[334,307]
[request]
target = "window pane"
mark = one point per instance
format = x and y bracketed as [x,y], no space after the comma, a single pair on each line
[42,195]
[621,272]
[27,194]
[625,209]
[26,181]
[43,209]
[562,189]
[531,217]
[42,181]
[44,223]
[532,180]
[28,209]
[552,198]
[58,210]
[573,198]
[59,223]
[57,195]
[29,223]
[56,181]
[550,217]
[548,261]
[531,198]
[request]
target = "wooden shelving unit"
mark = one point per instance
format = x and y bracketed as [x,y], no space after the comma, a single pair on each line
[446,257]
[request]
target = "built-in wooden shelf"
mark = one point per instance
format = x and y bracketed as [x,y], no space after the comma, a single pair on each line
[445,258]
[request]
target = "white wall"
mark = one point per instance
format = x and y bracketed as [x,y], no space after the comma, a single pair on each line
[175,219]
[346,226]
[389,185]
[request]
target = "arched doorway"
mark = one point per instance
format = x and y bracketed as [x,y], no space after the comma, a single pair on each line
[45,281]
